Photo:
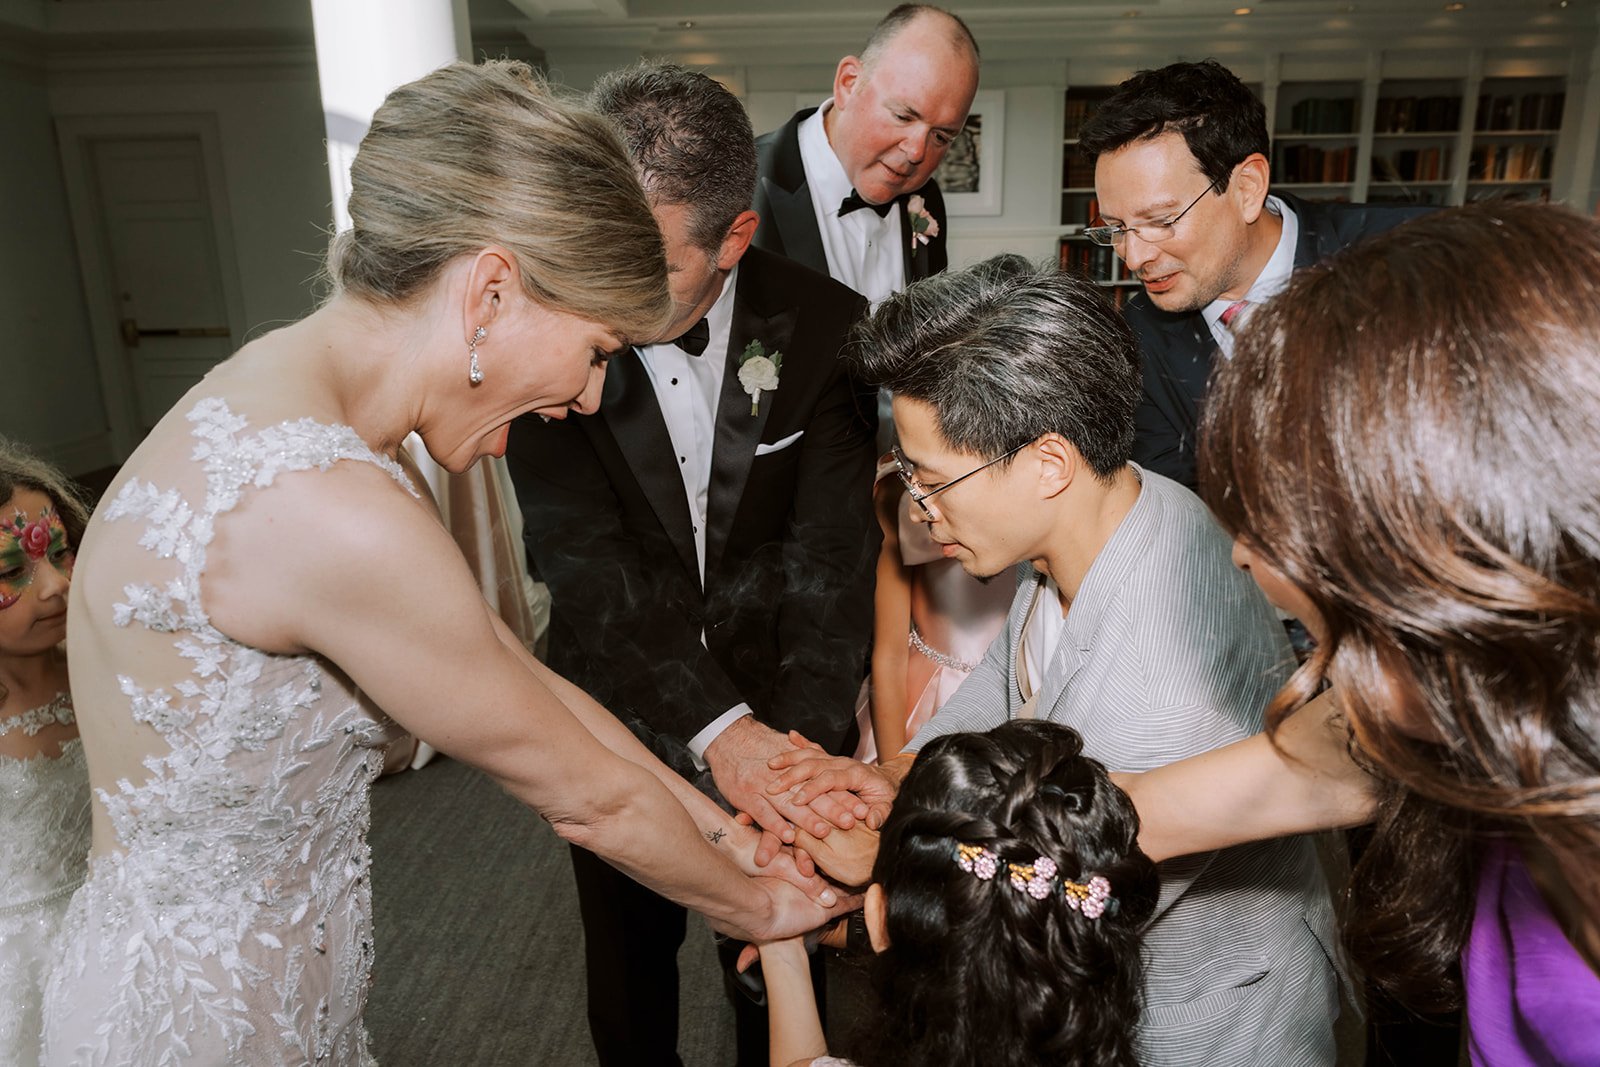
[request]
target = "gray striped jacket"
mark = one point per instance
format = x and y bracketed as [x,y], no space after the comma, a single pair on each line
[1169,651]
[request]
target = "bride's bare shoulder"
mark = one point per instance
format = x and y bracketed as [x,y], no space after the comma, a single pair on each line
[312,537]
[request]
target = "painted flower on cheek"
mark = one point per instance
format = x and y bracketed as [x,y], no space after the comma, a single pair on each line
[35,538]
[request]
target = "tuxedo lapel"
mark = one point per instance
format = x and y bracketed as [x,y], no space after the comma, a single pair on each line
[738,432]
[796,221]
[630,410]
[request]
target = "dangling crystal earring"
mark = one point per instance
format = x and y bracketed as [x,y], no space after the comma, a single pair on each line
[475,372]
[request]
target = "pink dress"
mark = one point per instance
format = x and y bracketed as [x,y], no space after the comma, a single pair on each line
[954,618]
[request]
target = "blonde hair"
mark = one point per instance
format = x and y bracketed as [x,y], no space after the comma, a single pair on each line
[473,155]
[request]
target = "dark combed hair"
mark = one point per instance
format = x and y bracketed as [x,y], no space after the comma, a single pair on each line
[1005,352]
[904,15]
[1221,120]
[690,139]
[1408,434]
[976,971]
[21,469]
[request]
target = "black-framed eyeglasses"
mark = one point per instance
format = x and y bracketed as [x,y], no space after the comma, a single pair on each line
[917,492]
[1150,232]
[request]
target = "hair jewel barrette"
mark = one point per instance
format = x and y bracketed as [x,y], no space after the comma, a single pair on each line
[1038,879]
[1092,898]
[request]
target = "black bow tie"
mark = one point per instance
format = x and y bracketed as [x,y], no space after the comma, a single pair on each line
[853,202]
[695,338]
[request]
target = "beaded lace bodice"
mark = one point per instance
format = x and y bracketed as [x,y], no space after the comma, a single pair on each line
[232,923]
[44,802]
[46,811]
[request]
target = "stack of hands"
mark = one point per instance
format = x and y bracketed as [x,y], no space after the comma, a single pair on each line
[811,818]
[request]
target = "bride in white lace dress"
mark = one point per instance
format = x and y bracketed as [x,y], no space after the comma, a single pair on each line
[263,601]
[44,787]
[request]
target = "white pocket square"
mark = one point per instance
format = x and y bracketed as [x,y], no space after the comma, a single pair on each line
[778,446]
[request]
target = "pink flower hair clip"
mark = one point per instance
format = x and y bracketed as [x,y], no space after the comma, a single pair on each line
[975,859]
[1038,879]
[1091,898]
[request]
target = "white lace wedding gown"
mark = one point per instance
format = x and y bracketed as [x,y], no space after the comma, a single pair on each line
[231,924]
[44,802]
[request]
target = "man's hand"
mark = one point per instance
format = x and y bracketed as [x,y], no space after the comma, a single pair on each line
[846,856]
[740,758]
[806,774]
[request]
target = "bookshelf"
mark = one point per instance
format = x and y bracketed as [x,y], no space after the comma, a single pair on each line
[1079,208]
[1416,141]
[1516,127]
[1316,139]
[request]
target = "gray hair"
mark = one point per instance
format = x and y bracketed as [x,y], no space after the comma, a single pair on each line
[689,138]
[904,15]
[1005,352]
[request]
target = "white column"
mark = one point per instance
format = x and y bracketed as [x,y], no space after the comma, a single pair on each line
[364,49]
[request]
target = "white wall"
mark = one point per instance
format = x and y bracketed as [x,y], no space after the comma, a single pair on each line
[269,120]
[51,391]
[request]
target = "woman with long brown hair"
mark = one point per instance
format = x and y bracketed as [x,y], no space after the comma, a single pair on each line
[1403,447]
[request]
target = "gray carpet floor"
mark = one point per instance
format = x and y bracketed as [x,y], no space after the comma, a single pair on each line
[479,946]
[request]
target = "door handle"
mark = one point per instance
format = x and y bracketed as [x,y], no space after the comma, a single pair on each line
[131,332]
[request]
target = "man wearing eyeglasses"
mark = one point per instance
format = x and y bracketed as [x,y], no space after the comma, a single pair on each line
[1181,175]
[1014,392]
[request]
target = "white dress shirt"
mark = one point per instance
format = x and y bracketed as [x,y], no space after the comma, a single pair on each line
[687,390]
[863,250]
[1268,284]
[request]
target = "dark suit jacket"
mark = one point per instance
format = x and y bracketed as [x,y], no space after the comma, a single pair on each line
[1178,348]
[789,222]
[790,543]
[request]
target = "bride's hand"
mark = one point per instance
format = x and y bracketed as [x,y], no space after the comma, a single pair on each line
[753,852]
[790,912]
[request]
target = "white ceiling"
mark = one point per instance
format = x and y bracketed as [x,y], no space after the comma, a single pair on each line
[806,31]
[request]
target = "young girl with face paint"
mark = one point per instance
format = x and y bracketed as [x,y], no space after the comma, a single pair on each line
[44,785]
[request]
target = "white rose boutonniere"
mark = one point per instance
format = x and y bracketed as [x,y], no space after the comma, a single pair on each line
[924,227]
[758,372]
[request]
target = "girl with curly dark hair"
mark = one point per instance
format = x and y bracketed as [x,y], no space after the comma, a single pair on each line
[1403,447]
[1005,907]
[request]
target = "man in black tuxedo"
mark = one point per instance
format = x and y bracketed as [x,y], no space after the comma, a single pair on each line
[1181,174]
[847,188]
[708,535]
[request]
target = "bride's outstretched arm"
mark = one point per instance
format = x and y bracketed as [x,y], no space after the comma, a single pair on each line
[341,564]
[716,826]
[1252,790]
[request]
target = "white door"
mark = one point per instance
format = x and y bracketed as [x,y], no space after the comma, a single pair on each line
[149,207]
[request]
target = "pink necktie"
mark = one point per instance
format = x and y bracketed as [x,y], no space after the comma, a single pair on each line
[1232,311]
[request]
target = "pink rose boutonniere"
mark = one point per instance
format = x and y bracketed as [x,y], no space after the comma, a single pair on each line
[924,227]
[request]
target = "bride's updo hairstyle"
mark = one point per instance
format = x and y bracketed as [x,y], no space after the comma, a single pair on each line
[479,154]
[978,970]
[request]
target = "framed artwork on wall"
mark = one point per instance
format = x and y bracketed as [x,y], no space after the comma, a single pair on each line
[973,171]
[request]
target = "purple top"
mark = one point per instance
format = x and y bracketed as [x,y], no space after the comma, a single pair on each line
[1532,1000]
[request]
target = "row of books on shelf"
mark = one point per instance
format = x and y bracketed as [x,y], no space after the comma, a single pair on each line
[1308,163]
[1412,165]
[1078,111]
[1318,114]
[1078,172]
[1095,262]
[1410,114]
[1509,163]
[1530,111]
